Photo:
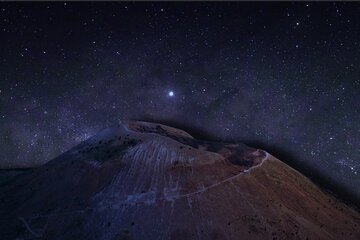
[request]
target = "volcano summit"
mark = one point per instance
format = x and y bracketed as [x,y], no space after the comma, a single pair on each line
[149,181]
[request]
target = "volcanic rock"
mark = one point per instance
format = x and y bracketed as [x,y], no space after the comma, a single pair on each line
[149,181]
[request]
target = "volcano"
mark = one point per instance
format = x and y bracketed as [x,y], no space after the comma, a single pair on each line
[144,180]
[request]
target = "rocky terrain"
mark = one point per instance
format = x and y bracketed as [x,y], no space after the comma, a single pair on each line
[149,181]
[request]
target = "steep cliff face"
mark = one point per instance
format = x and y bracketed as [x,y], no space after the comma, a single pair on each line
[149,181]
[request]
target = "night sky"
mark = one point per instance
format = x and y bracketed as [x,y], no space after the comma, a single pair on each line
[280,75]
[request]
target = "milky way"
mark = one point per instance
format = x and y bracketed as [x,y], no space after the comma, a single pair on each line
[281,76]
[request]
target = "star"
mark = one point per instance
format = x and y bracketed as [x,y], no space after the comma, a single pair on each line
[170,93]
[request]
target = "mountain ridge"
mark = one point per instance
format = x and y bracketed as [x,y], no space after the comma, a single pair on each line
[127,182]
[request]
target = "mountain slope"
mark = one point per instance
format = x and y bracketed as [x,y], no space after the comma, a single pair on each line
[149,181]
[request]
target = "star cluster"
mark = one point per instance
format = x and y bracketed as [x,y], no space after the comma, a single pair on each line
[274,75]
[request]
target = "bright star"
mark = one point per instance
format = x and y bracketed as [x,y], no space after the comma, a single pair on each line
[171,93]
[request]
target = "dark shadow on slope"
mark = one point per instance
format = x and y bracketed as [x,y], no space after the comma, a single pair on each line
[324,182]
[8,175]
